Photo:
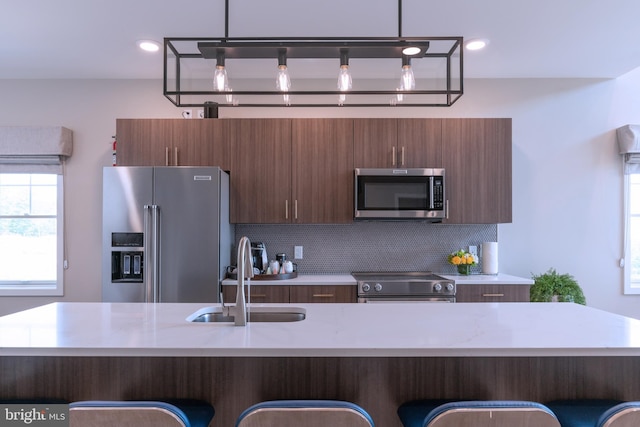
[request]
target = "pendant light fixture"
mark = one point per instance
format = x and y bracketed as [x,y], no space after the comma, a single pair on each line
[407,79]
[369,61]
[283,81]
[345,82]
[220,80]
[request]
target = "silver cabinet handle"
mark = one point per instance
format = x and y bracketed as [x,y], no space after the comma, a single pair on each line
[393,156]
[492,295]
[402,157]
[166,156]
[175,157]
[286,209]
[295,209]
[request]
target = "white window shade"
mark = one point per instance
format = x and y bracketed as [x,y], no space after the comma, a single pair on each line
[29,149]
[629,147]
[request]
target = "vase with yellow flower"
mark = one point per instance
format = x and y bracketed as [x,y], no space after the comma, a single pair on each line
[463,261]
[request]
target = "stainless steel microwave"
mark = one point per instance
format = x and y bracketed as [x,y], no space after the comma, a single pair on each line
[400,194]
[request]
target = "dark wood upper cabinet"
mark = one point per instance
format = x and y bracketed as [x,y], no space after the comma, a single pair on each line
[322,165]
[477,159]
[172,142]
[375,143]
[420,143]
[397,143]
[260,171]
[301,170]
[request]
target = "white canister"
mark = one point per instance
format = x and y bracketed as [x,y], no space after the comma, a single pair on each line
[490,258]
[288,267]
[274,267]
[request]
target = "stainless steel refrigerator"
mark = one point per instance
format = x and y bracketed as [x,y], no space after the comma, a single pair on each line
[166,233]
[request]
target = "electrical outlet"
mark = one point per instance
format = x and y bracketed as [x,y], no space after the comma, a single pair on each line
[187,114]
[297,252]
[201,114]
[473,250]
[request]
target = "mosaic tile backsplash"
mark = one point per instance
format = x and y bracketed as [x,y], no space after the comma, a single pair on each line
[370,246]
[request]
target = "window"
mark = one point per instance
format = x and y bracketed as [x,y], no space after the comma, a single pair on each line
[31,234]
[632,237]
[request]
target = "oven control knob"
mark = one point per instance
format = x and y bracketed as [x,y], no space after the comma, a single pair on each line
[450,287]
[437,287]
[366,287]
[378,287]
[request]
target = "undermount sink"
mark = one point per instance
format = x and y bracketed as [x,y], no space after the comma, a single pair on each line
[256,314]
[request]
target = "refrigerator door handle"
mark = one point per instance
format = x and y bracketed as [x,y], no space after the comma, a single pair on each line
[148,260]
[155,218]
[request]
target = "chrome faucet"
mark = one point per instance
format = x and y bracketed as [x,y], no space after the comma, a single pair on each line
[245,271]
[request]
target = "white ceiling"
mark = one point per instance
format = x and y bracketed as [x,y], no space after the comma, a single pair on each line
[528,39]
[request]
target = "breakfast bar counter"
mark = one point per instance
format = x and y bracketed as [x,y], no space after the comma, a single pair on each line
[375,355]
[329,330]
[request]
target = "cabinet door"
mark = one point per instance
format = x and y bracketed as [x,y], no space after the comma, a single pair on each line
[201,143]
[322,164]
[323,294]
[260,171]
[477,158]
[144,142]
[419,143]
[375,143]
[259,294]
[172,142]
[492,293]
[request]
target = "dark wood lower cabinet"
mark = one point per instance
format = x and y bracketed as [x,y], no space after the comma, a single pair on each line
[301,294]
[378,384]
[323,294]
[492,293]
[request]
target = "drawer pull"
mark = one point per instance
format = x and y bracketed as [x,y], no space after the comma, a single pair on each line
[492,295]
[258,295]
[323,295]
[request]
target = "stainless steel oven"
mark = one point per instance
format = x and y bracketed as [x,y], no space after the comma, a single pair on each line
[399,287]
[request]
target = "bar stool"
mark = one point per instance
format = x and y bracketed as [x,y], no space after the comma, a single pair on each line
[170,413]
[307,413]
[596,413]
[490,413]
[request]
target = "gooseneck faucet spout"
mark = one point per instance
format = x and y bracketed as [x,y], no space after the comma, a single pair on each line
[245,271]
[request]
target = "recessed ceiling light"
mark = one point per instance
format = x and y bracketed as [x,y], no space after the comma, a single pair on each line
[148,45]
[412,50]
[476,44]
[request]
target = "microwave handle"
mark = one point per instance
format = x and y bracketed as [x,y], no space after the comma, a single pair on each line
[431,189]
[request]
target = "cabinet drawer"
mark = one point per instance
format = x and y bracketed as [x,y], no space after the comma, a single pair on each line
[323,294]
[492,293]
[259,294]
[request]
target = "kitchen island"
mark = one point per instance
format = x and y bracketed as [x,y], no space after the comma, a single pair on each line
[376,355]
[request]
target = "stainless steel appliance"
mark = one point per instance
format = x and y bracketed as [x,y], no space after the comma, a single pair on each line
[259,256]
[400,194]
[166,233]
[415,286]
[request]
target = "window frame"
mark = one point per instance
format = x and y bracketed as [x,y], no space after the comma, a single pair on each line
[630,287]
[46,288]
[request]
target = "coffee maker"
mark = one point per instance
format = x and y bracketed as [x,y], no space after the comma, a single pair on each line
[259,256]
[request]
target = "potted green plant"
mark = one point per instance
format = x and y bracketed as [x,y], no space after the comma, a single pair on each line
[551,287]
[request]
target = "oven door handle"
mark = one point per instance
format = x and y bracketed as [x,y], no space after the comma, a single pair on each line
[404,300]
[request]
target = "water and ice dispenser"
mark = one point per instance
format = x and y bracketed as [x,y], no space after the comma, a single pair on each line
[127,257]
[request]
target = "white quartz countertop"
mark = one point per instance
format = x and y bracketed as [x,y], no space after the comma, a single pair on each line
[347,279]
[488,279]
[304,279]
[330,330]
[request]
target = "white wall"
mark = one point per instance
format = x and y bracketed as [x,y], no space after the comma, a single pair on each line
[567,184]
